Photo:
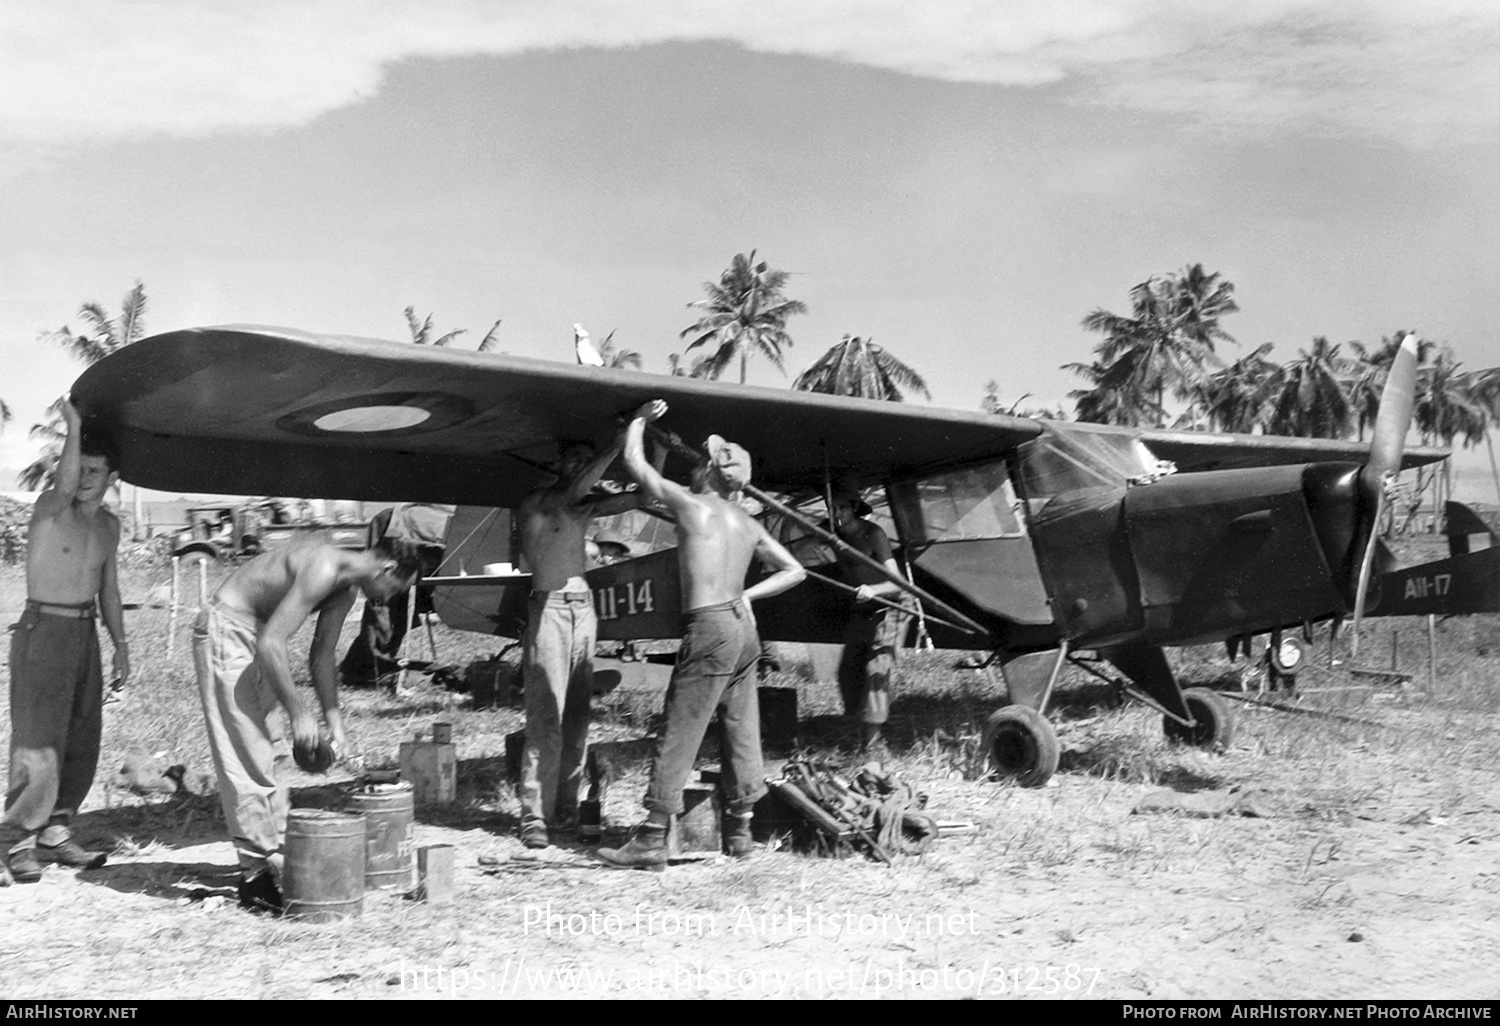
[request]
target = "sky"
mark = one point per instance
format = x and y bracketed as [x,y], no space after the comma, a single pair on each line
[961,182]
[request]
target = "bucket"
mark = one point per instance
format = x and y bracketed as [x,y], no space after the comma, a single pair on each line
[390,834]
[324,877]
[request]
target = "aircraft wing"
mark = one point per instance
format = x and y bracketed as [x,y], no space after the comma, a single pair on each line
[280,412]
[1199,450]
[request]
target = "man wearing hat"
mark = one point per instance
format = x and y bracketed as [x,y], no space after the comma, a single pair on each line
[608,547]
[874,629]
[716,541]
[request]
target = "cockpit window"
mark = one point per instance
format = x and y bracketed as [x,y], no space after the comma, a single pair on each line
[977,502]
[1068,461]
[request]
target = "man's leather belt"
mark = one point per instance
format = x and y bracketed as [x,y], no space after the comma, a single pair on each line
[83,612]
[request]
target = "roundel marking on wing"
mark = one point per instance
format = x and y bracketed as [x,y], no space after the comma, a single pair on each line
[360,419]
[384,414]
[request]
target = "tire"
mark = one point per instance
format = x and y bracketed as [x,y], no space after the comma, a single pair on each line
[1020,744]
[1214,727]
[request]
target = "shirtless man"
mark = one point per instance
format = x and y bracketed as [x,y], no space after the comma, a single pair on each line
[561,629]
[874,629]
[716,540]
[56,679]
[240,649]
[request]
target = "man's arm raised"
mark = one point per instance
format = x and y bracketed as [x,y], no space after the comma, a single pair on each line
[65,480]
[652,483]
[592,471]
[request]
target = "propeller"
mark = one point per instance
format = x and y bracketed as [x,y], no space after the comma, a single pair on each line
[1386,444]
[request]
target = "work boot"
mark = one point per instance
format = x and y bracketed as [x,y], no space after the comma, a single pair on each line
[873,747]
[534,835]
[24,867]
[259,893]
[646,849]
[564,822]
[70,853]
[737,840]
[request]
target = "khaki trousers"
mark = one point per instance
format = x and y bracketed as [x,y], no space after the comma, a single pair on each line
[245,742]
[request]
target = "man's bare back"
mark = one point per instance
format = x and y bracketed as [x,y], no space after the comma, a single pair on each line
[716,539]
[715,542]
[261,585]
[281,589]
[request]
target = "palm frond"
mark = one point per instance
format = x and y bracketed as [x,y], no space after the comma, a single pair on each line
[132,322]
[419,330]
[491,338]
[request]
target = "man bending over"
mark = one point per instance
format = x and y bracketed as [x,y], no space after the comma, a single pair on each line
[241,651]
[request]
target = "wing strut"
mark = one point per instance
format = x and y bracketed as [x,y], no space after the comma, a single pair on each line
[966,623]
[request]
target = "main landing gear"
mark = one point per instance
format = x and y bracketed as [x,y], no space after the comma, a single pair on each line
[1020,743]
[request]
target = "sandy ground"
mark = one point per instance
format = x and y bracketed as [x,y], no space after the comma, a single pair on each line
[1062,893]
[1372,872]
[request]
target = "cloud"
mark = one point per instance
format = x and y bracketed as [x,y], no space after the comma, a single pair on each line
[75,72]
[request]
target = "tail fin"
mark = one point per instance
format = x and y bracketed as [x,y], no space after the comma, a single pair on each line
[1466,531]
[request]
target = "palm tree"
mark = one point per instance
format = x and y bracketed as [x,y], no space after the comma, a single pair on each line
[1445,405]
[37,475]
[1368,376]
[421,331]
[618,356]
[1307,396]
[1117,395]
[4,414]
[102,335]
[858,367]
[1484,389]
[491,339]
[990,403]
[747,313]
[1169,337]
[1234,399]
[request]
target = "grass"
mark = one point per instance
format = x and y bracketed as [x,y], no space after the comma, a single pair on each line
[1364,815]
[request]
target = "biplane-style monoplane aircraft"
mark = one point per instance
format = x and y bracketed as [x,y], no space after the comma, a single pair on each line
[1037,542]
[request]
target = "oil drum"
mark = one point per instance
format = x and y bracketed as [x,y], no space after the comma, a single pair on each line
[390,834]
[324,877]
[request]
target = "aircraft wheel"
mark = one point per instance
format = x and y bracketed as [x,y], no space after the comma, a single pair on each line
[1019,742]
[1214,727]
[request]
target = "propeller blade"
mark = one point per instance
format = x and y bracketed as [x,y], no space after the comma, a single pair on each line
[1393,418]
[1386,445]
